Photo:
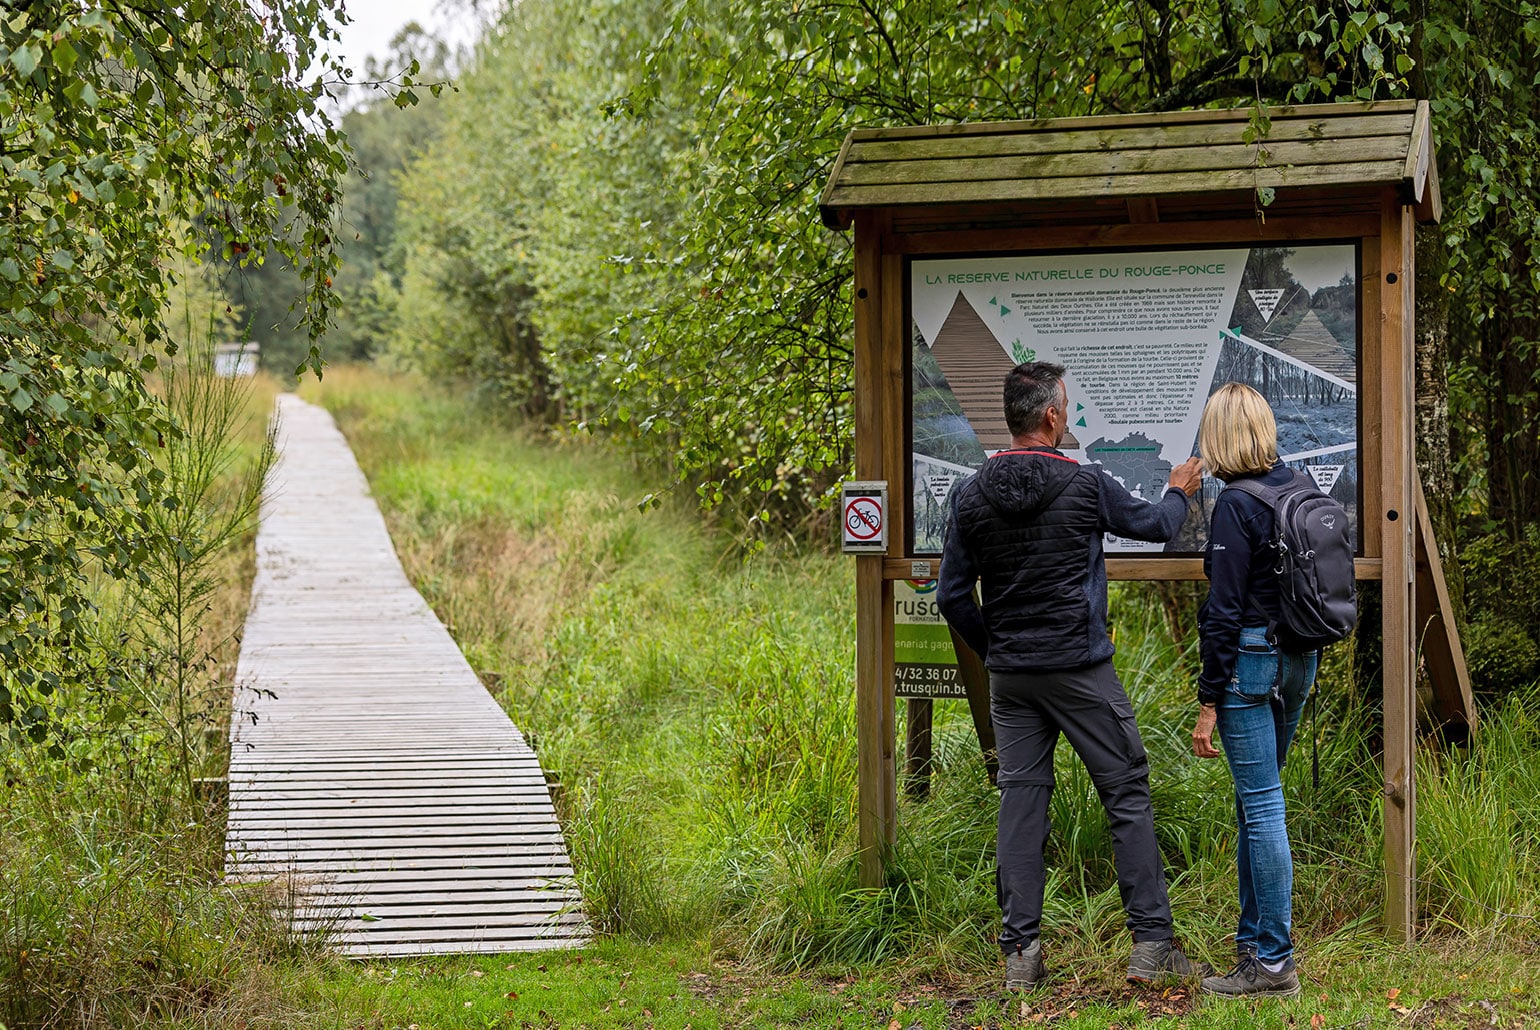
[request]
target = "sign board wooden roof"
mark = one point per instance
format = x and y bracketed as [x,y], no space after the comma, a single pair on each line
[1326,153]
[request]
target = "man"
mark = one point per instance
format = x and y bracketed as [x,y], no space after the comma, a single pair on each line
[1029,525]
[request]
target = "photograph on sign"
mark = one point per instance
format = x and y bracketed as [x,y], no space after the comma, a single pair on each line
[924,660]
[1145,338]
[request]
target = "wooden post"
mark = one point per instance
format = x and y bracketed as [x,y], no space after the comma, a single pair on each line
[1398,521]
[874,595]
[895,464]
[917,746]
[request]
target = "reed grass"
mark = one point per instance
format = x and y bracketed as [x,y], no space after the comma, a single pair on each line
[698,711]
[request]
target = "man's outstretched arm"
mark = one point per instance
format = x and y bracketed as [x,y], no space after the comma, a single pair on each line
[1126,515]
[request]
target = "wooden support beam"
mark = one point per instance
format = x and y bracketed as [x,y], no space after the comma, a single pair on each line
[1117,568]
[975,679]
[1136,234]
[1398,521]
[1443,657]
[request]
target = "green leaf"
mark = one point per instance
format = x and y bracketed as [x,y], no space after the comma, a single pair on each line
[65,56]
[25,59]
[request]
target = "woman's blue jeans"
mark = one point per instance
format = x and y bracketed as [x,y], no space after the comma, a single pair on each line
[1257,718]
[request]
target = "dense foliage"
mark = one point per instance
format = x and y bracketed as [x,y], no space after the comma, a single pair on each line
[617,225]
[120,126]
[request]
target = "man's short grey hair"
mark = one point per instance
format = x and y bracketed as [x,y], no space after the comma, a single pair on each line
[1030,390]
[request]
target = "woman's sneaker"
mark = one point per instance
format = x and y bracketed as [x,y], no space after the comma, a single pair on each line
[1024,969]
[1251,979]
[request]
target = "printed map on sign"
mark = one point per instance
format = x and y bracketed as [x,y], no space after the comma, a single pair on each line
[1145,337]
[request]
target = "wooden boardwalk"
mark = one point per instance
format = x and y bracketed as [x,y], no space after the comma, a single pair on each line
[369,768]
[975,365]
[1312,343]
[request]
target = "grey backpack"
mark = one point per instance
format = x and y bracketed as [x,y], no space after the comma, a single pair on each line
[1317,590]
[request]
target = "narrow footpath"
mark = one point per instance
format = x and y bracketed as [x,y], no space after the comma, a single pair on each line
[370,771]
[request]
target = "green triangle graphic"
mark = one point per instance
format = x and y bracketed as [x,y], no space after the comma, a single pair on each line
[1079,406]
[1081,423]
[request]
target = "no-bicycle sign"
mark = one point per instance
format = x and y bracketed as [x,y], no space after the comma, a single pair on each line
[864,517]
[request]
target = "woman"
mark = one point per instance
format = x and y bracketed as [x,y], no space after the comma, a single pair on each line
[1250,690]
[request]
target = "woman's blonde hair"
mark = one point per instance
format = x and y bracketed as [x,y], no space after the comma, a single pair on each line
[1238,435]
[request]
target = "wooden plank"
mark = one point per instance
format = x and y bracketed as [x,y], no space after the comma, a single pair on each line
[390,881]
[1195,160]
[1166,233]
[446,912]
[831,218]
[293,796]
[366,949]
[1242,180]
[1418,154]
[387,808]
[273,865]
[369,768]
[438,823]
[557,927]
[417,893]
[1399,519]
[1349,131]
[1431,207]
[1327,114]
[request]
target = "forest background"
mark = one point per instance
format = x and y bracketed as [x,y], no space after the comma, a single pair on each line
[607,226]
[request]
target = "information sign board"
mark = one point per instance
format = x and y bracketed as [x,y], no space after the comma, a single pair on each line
[1145,337]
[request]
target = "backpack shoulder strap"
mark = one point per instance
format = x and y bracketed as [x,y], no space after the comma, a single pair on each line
[1268,495]
[1271,495]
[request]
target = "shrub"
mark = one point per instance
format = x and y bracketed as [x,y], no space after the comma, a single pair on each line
[1500,654]
[1502,584]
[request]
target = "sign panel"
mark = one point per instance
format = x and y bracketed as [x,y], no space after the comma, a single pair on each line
[1145,338]
[864,517]
[924,660]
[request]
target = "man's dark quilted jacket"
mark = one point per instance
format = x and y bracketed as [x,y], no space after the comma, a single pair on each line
[1029,526]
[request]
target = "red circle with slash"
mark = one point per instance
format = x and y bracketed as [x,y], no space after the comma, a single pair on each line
[863,518]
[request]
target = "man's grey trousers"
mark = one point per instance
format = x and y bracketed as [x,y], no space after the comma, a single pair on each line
[1090,708]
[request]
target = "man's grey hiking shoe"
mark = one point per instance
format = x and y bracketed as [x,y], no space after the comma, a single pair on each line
[1159,960]
[1251,979]
[1024,969]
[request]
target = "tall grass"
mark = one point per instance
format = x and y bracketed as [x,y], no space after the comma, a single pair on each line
[698,711]
[112,911]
